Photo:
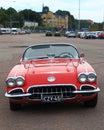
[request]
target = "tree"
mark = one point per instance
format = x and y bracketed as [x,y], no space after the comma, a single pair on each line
[29,15]
[3,18]
[14,19]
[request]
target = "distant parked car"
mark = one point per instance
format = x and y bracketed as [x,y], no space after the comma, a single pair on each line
[22,32]
[71,34]
[57,33]
[66,33]
[79,34]
[90,35]
[28,31]
[82,35]
[15,31]
[101,35]
[3,31]
[48,33]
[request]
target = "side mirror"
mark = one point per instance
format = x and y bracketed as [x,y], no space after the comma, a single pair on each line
[21,60]
[82,55]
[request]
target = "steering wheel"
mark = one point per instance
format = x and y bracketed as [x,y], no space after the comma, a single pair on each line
[66,55]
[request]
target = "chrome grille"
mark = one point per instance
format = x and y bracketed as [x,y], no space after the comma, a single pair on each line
[65,90]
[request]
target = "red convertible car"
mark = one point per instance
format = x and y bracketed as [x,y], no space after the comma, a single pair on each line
[51,73]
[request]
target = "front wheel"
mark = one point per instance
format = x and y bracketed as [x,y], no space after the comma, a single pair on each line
[14,106]
[92,102]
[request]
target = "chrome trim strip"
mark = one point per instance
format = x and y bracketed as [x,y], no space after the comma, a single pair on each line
[49,85]
[16,89]
[87,85]
[87,91]
[17,95]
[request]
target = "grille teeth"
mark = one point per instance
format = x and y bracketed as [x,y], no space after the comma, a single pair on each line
[66,91]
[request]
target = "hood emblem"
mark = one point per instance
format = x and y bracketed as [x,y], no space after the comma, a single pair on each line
[51,78]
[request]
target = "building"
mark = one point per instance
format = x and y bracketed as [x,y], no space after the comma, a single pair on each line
[51,19]
[30,24]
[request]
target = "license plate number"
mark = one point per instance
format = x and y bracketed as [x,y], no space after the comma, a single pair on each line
[51,98]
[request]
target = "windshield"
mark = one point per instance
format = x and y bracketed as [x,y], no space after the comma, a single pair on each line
[50,50]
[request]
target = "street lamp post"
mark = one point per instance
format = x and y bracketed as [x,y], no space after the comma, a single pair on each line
[11,15]
[10,18]
[79,17]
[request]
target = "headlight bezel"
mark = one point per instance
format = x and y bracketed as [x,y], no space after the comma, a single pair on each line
[15,81]
[11,82]
[82,77]
[20,79]
[89,77]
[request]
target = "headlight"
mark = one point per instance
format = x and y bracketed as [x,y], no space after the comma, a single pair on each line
[15,81]
[11,82]
[92,77]
[82,78]
[19,81]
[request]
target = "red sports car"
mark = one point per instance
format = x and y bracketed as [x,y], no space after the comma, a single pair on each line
[51,73]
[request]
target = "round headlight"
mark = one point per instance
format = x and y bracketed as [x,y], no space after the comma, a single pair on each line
[20,81]
[82,78]
[92,77]
[11,82]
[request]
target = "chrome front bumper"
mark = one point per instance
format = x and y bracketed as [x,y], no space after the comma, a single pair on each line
[88,91]
[30,94]
[17,95]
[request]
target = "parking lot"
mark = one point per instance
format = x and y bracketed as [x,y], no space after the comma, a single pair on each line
[50,116]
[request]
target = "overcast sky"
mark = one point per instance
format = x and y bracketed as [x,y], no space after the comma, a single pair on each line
[89,9]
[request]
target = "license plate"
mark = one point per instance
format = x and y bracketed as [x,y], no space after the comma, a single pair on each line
[51,98]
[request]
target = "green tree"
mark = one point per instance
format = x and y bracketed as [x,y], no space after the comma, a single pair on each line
[29,15]
[3,17]
[14,19]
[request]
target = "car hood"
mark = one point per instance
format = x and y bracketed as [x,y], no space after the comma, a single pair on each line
[52,71]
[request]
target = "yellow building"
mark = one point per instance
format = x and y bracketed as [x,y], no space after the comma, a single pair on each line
[51,19]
